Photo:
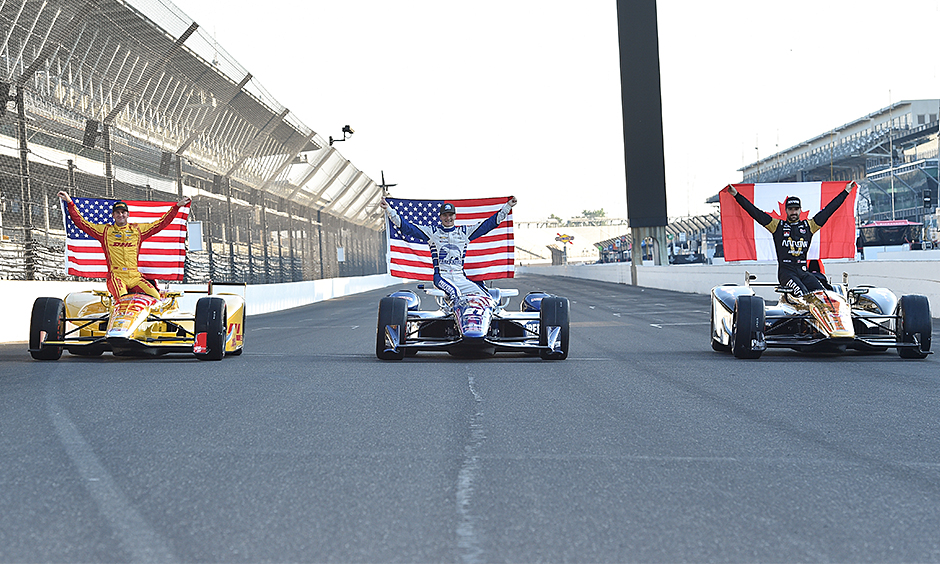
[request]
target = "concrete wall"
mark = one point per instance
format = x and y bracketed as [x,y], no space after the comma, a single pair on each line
[536,239]
[899,276]
[18,296]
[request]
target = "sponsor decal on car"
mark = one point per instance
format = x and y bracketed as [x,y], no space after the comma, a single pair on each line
[199,345]
[129,309]
[234,334]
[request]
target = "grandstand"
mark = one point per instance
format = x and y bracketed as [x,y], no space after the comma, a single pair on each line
[132,100]
[891,153]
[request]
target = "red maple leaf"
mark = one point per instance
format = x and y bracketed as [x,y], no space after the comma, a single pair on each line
[781,214]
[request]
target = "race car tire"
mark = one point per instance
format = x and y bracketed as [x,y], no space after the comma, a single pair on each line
[747,326]
[554,311]
[916,326]
[392,311]
[48,316]
[211,319]
[717,345]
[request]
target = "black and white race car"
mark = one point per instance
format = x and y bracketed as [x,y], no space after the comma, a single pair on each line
[863,318]
[475,325]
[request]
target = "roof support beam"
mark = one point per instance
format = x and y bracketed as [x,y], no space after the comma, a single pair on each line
[287,161]
[344,192]
[326,186]
[79,14]
[904,183]
[211,116]
[312,172]
[13,24]
[19,56]
[46,48]
[127,96]
[258,139]
[352,215]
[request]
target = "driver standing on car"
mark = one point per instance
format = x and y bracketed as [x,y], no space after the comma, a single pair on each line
[793,237]
[448,244]
[121,243]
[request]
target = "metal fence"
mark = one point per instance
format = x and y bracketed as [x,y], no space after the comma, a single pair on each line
[131,100]
[248,236]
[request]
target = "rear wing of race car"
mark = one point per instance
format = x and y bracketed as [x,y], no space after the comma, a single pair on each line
[850,294]
[497,294]
[212,289]
[750,278]
[214,285]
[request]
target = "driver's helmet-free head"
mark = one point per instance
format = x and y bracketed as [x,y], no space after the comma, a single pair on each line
[447,207]
[118,206]
[793,202]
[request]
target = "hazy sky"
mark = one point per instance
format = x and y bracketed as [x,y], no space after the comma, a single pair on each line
[487,98]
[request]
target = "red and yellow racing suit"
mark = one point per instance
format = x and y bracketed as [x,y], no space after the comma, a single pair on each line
[121,247]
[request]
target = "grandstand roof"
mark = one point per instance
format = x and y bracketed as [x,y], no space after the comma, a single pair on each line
[148,70]
[850,144]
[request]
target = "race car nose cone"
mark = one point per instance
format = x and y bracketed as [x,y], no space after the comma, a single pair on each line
[473,335]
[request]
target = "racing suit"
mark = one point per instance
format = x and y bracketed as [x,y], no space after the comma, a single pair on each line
[121,247]
[792,242]
[449,248]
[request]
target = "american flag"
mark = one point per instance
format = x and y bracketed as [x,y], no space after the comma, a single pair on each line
[161,256]
[490,256]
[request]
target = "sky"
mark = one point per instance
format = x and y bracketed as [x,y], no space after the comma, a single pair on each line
[522,97]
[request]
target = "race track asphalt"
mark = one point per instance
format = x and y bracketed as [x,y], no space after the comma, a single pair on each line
[643,446]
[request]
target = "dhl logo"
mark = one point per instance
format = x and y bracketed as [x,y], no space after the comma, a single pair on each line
[122,244]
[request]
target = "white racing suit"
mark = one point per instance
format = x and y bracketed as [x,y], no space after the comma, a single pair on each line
[448,249]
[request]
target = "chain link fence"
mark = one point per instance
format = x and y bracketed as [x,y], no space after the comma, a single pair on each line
[131,100]
[248,236]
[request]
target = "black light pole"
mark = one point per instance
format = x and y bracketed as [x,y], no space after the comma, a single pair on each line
[641,101]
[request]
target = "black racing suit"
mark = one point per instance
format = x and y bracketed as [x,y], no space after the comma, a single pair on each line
[792,240]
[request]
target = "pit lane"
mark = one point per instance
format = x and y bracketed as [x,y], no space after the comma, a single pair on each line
[644,445]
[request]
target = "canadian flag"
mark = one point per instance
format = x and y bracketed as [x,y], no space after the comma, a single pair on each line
[745,239]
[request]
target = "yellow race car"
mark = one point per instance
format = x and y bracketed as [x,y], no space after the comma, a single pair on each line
[90,323]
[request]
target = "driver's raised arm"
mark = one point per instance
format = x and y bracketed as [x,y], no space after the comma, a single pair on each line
[492,222]
[823,215]
[756,214]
